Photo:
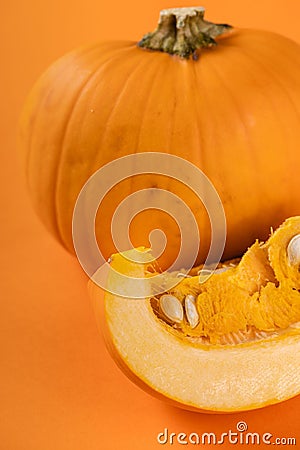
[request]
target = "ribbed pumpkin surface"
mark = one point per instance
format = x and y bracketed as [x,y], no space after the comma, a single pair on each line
[235,113]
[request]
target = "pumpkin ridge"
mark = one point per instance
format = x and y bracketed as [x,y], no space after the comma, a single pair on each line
[232,99]
[244,55]
[154,77]
[41,105]
[252,154]
[60,156]
[171,123]
[258,58]
[200,139]
[28,154]
[118,100]
[67,125]
[272,70]
[275,76]
[156,72]
[248,57]
[86,52]
[209,99]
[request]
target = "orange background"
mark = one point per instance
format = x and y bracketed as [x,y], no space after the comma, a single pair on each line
[59,389]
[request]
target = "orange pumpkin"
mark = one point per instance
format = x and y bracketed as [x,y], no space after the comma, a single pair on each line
[232,109]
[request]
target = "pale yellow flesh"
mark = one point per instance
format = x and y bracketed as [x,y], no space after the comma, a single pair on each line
[224,378]
[202,376]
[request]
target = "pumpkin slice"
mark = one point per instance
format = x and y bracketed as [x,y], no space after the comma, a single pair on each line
[230,343]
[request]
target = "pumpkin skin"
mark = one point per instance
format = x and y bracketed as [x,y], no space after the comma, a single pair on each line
[234,112]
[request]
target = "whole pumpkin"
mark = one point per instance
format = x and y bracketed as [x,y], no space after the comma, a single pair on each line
[232,109]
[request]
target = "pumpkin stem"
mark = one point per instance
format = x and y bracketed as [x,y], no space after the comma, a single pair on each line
[182,31]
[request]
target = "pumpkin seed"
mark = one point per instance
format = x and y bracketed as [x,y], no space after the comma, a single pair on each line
[191,310]
[171,308]
[293,250]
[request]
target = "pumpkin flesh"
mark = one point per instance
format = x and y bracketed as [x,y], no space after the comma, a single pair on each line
[230,366]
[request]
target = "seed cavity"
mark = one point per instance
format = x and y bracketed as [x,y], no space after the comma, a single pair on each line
[171,308]
[204,274]
[191,310]
[293,250]
[224,269]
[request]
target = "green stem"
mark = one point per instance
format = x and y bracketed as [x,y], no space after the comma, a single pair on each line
[182,31]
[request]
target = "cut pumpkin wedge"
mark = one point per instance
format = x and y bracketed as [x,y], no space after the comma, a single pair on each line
[230,343]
